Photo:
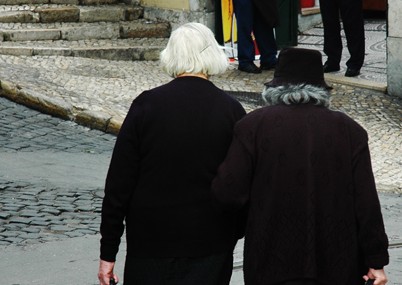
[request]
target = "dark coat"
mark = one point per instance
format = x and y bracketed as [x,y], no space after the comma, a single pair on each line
[304,172]
[269,10]
[159,180]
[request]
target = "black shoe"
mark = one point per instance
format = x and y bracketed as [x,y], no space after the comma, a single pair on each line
[352,72]
[250,68]
[268,66]
[330,68]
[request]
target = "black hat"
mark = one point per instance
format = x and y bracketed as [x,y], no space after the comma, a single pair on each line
[299,66]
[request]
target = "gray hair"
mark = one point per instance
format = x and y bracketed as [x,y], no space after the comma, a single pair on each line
[192,48]
[296,94]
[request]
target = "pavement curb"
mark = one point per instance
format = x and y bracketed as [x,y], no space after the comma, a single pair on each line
[29,98]
[59,108]
[356,82]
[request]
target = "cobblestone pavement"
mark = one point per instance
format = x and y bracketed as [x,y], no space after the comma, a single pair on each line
[41,211]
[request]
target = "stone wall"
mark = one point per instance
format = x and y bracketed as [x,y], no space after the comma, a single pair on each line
[394,48]
[181,11]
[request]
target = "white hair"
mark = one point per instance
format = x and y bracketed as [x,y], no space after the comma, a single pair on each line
[192,48]
[296,94]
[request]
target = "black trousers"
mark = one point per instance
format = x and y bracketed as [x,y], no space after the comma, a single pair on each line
[353,23]
[208,270]
[300,282]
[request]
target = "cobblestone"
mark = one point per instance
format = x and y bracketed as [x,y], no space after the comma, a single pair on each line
[40,213]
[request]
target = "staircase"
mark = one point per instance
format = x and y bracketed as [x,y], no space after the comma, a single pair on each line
[105,29]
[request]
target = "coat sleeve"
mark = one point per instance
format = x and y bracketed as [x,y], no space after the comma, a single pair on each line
[231,186]
[121,181]
[372,238]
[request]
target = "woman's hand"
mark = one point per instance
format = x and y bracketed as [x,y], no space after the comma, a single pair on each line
[106,272]
[378,275]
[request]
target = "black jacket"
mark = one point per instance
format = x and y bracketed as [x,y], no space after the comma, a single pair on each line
[167,153]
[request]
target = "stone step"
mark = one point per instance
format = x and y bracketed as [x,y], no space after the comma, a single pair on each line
[68,13]
[83,31]
[122,49]
[65,2]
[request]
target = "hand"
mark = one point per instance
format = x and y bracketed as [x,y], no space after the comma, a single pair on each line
[106,272]
[378,275]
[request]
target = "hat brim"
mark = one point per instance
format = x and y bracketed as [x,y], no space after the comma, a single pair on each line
[276,82]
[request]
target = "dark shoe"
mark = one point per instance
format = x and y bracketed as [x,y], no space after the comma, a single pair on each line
[268,66]
[250,68]
[352,72]
[330,68]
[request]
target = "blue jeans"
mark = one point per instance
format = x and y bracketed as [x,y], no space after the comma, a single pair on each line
[248,20]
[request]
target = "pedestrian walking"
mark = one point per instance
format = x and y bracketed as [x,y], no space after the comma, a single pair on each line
[257,17]
[158,187]
[351,12]
[302,174]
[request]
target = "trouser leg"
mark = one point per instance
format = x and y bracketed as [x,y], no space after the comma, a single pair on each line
[244,18]
[265,39]
[332,30]
[207,270]
[353,24]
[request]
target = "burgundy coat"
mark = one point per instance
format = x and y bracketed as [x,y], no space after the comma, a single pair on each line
[304,174]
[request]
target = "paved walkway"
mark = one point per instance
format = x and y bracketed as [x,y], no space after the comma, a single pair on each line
[98,93]
[50,220]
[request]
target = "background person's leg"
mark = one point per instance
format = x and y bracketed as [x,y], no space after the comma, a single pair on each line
[332,33]
[353,24]
[245,46]
[266,41]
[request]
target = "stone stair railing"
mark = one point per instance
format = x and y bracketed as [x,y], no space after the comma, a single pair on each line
[86,28]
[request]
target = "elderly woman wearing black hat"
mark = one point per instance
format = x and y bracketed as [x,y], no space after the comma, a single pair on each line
[302,173]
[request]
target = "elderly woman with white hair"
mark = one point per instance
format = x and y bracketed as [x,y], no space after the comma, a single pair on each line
[302,173]
[158,186]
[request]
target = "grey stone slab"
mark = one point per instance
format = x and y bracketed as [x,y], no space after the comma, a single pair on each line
[34,35]
[30,213]
[143,28]
[14,240]
[27,51]
[20,220]
[26,236]
[58,14]
[91,32]
[4,215]
[19,17]
[70,2]
[61,228]
[98,2]
[19,2]
[52,211]
[102,14]
[32,229]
